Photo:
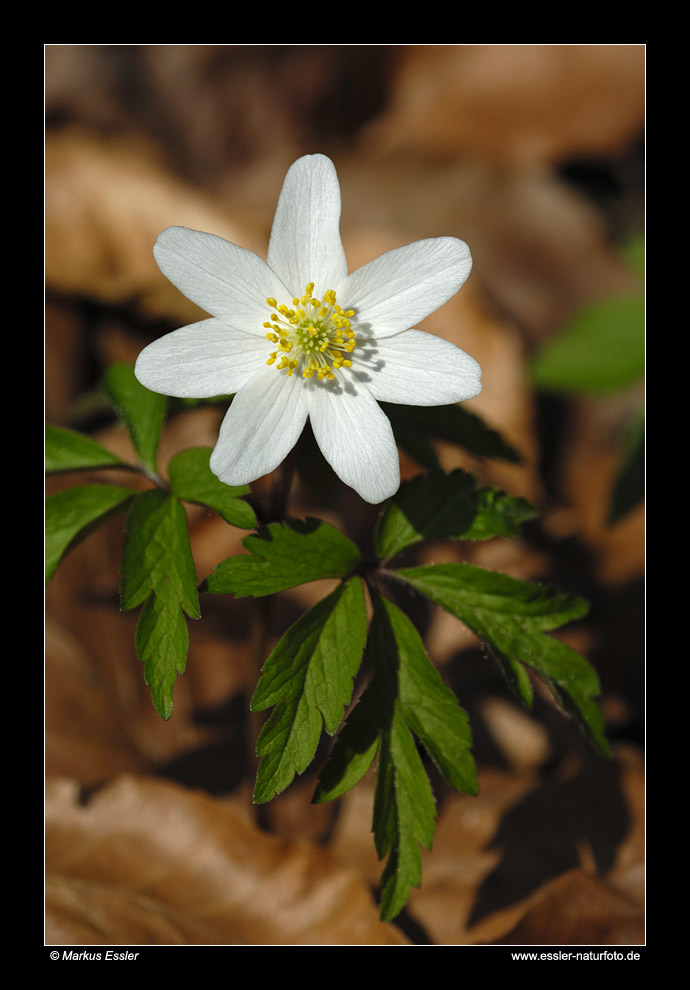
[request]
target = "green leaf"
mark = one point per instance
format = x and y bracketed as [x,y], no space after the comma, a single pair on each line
[308,678]
[602,349]
[73,514]
[158,572]
[191,479]
[633,253]
[499,514]
[428,705]
[66,450]
[406,695]
[283,555]
[413,425]
[510,616]
[442,506]
[629,487]
[404,816]
[356,746]
[141,410]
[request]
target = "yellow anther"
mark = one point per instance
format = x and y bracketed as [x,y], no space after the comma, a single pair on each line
[318,332]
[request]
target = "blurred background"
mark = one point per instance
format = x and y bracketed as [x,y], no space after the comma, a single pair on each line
[533,154]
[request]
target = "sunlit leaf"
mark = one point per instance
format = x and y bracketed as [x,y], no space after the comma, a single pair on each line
[511,616]
[73,514]
[405,698]
[66,450]
[284,555]
[141,410]
[602,349]
[192,480]
[158,572]
[308,679]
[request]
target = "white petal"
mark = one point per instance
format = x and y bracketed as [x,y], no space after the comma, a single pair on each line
[200,360]
[417,369]
[305,243]
[261,427]
[356,438]
[226,280]
[398,289]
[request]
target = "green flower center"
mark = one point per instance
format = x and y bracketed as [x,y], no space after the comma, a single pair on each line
[314,337]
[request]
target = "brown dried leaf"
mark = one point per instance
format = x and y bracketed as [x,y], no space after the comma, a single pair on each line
[146,862]
[514,102]
[86,736]
[496,855]
[107,200]
[540,251]
[576,909]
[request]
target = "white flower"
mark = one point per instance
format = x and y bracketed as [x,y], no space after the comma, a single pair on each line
[299,337]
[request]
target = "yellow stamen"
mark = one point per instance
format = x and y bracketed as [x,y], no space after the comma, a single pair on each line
[317,332]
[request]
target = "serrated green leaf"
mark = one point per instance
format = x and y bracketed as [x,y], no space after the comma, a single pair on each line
[141,410]
[629,486]
[158,572]
[498,514]
[162,644]
[600,351]
[406,695]
[284,555]
[404,816]
[71,515]
[192,480]
[510,616]
[308,679]
[355,749]
[440,506]
[413,425]
[66,450]
[429,707]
